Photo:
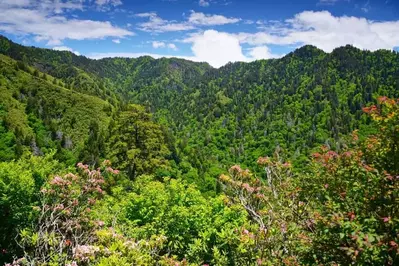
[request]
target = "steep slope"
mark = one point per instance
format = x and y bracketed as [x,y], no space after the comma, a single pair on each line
[42,115]
[107,76]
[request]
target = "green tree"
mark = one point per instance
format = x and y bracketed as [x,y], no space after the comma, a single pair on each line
[94,145]
[20,182]
[137,143]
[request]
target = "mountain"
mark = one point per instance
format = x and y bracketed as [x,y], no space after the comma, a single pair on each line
[233,114]
[125,161]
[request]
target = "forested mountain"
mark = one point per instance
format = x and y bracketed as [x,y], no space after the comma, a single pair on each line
[172,127]
[238,112]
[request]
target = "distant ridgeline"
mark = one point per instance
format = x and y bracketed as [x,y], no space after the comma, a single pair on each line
[194,118]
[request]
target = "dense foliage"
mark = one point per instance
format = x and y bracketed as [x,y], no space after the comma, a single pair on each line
[172,129]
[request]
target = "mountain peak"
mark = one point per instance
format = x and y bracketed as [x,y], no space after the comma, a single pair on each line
[307,51]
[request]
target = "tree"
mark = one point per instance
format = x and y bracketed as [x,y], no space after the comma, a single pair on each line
[94,145]
[137,144]
[36,73]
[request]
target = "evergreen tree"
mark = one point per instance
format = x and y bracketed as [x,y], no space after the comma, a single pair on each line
[137,143]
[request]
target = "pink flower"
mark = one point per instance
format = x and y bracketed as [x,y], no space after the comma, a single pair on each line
[263,160]
[81,166]
[382,99]
[57,181]
[332,154]
[100,223]
[325,186]
[287,165]
[59,207]
[386,219]
[316,155]
[109,169]
[235,169]
[99,190]
[347,154]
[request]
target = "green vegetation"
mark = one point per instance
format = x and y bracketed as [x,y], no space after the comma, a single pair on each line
[129,161]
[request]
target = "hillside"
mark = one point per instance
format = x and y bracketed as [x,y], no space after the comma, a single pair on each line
[241,111]
[38,112]
[125,161]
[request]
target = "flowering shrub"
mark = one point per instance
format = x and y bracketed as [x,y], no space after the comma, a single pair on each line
[278,234]
[65,229]
[356,209]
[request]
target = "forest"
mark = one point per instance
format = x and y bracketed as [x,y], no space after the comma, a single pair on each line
[142,161]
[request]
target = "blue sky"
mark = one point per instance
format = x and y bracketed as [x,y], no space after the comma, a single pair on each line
[215,31]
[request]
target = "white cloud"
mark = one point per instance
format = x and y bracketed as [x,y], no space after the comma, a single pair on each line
[172,46]
[65,48]
[203,3]
[262,52]
[53,6]
[210,20]
[47,26]
[146,15]
[109,2]
[117,41]
[249,22]
[19,3]
[327,32]
[157,24]
[157,44]
[327,2]
[366,7]
[217,48]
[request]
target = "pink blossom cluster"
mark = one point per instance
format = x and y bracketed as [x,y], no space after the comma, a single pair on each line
[248,188]
[112,171]
[235,169]
[246,233]
[84,253]
[263,160]
[17,262]
[59,181]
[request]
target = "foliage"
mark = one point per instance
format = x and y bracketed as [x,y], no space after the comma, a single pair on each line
[356,212]
[137,143]
[64,229]
[20,182]
[281,219]
[172,127]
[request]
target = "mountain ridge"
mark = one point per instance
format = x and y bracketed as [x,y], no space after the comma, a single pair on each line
[297,102]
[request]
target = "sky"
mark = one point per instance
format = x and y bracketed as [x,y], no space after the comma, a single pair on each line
[213,31]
